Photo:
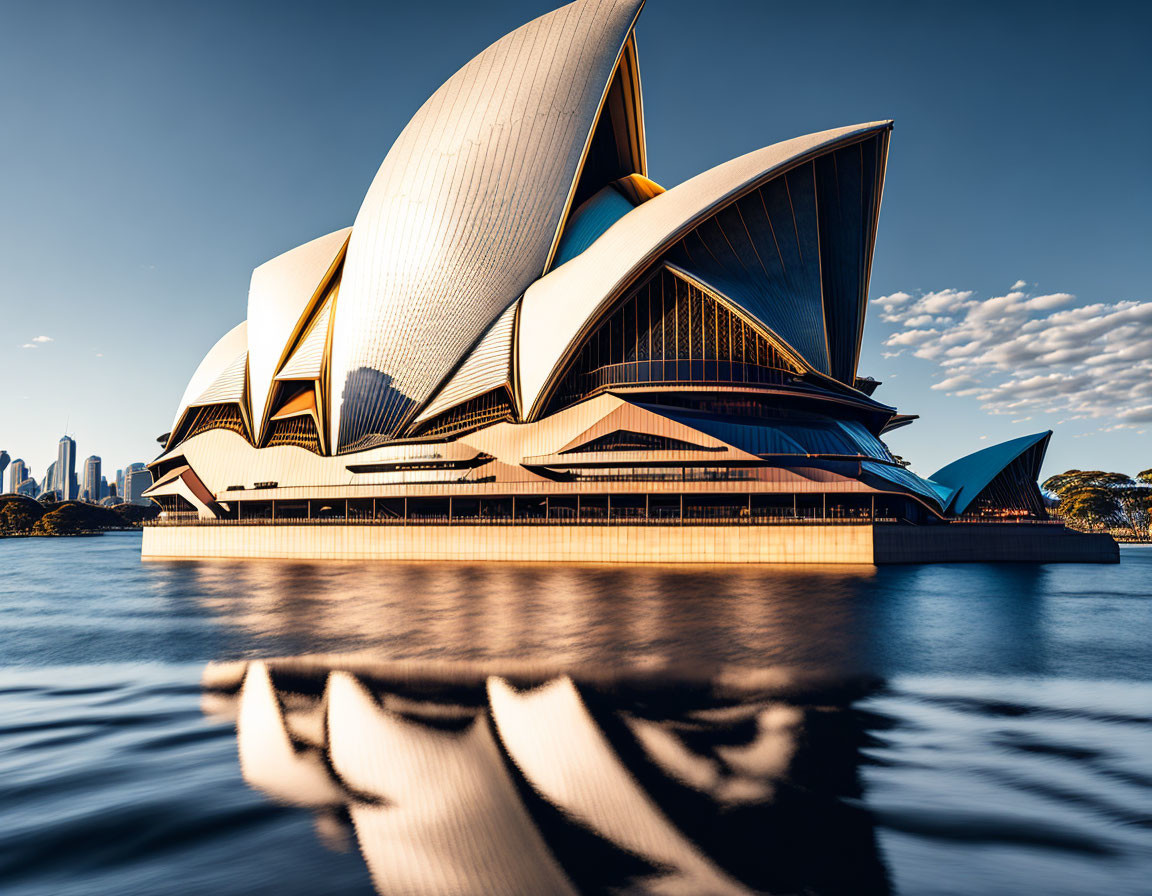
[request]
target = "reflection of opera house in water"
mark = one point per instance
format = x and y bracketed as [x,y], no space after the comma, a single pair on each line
[456,780]
[525,349]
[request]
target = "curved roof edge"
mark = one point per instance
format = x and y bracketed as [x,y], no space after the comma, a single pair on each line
[283,293]
[228,387]
[561,307]
[972,473]
[219,358]
[306,362]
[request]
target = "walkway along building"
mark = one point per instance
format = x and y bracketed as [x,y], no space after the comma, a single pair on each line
[524,348]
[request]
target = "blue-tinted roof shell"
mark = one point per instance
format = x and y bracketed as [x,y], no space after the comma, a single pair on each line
[906,479]
[970,475]
[588,223]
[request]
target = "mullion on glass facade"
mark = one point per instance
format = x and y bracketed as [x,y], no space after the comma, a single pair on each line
[484,409]
[670,330]
[216,416]
[299,431]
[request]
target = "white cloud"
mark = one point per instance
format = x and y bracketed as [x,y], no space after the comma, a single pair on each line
[897,298]
[911,337]
[1022,354]
[960,381]
[1141,414]
[43,339]
[28,345]
[1055,300]
[944,301]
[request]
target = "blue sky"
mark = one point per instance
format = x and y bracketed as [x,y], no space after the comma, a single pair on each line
[152,154]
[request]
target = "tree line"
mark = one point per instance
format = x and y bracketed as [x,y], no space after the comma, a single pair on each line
[1095,499]
[21,515]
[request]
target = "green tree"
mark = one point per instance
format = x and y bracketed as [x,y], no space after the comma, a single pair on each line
[1138,497]
[1093,505]
[64,520]
[18,514]
[1135,502]
[134,514]
[73,518]
[16,519]
[1096,498]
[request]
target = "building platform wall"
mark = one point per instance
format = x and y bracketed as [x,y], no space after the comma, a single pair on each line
[856,544]
[992,543]
[509,543]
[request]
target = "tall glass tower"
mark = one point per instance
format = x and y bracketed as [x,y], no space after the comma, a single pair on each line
[17,474]
[66,469]
[91,488]
[136,478]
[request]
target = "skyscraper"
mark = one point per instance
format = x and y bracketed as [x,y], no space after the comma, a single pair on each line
[27,487]
[90,491]
[136,479]
[49,483]
[66,469]
[120,483]
[18,474]
[4,458]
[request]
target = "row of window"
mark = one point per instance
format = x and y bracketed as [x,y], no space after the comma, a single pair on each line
[584,508]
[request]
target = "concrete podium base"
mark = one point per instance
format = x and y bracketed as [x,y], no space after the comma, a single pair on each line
[863,543]
[991,543]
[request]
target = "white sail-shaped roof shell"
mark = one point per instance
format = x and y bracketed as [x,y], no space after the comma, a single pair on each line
[464,212]
[307,361]
[222,356]
[228,386]
[279,298]
[487,367]
[558,309]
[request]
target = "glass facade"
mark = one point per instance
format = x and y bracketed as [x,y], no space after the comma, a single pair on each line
[670,331]
[483,410]
[796,253]
[299,431]
[626,440]
[213,416]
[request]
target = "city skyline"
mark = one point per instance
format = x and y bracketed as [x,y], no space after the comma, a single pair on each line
[15,469]
[163,219]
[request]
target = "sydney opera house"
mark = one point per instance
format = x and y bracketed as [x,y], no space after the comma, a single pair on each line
[524,348]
